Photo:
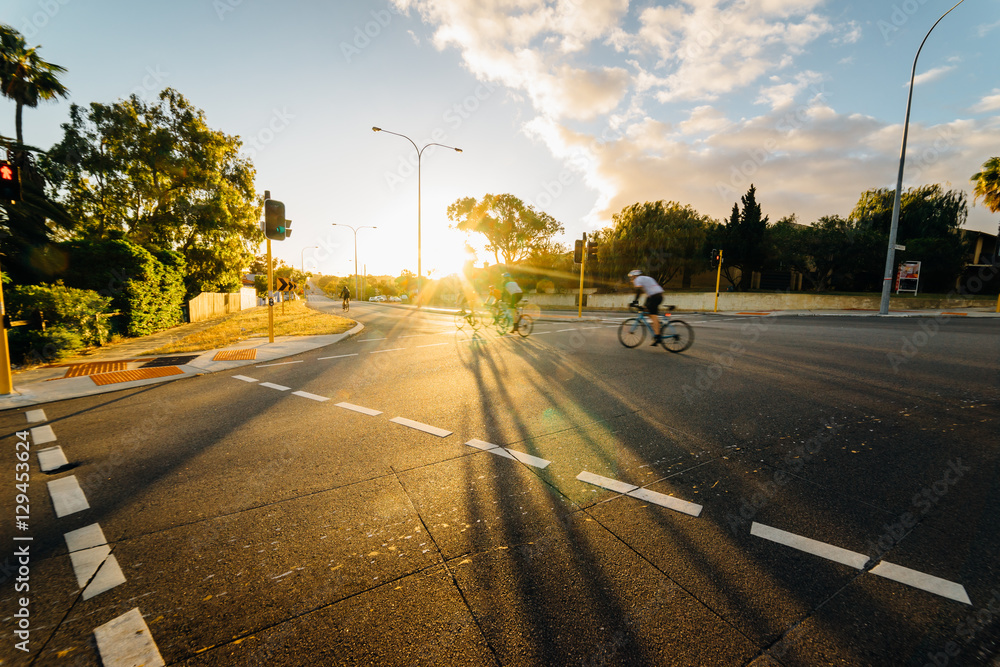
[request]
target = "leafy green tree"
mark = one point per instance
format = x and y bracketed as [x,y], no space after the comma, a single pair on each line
[665,239]
[930,220]
[744,241]
[158,173]
[987,185]
[512,229]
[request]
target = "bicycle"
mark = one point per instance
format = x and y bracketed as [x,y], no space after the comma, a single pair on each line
[505,318]
[675,335]
[346,306]
[470,317]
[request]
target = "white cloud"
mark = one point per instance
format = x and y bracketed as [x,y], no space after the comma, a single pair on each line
[988,103]
[930,75]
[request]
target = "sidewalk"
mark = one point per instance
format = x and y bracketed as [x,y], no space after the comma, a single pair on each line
[126,365]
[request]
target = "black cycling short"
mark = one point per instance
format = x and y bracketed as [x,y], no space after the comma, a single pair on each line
[514,298]
[652,304]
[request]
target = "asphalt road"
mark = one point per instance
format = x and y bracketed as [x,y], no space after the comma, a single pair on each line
[257,526]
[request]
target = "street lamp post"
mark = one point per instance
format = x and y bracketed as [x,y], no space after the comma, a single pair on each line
[420,152]
[890,254]
[357,292]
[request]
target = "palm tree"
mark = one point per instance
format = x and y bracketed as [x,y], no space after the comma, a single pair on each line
[988,185]
[24,77]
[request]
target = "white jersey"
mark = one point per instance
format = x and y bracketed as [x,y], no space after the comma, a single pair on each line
[512,288]
[647,285]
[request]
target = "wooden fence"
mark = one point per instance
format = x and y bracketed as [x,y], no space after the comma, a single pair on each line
[207,305]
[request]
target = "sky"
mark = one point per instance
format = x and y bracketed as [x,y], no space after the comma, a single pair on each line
[578,107]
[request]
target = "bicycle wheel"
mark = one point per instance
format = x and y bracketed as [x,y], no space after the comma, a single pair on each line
[504,323]
[631,333]
[677,335]
[524,325]
[461,319]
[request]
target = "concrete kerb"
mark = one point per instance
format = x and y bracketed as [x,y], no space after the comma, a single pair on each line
[48,386]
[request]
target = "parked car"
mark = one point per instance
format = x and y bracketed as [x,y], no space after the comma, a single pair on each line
[403,298]
[395,299]
[377,297]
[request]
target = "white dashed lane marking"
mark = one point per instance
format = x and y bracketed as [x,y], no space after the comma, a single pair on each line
[313,397]
[42,434]
[426,428]
[35,416]
[885,569]
[51,459]
[67,496]
[527,459]
[244,378]
[810,546]
[925,582]
[358,408]
[632,491]
[271,385]
[339,356]
[127,642]
[392,349]
[93,564]
[281,363]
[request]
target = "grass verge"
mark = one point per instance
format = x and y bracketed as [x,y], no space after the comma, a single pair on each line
[297,320]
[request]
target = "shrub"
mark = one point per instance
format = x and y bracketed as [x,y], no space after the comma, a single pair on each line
[36,347]
[75,310]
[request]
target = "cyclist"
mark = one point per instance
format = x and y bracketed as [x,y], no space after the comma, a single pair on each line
[654,295]
[345,294]
[514,292]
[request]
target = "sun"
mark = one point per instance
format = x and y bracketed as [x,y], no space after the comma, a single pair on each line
[445,252]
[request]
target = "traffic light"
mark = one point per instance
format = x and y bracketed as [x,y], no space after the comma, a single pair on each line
[275,225]
[10,183]
[716,257]
[591,251]
[578,252]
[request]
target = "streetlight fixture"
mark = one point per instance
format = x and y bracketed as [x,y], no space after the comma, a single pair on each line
[420,152]
[890,254]
[357,289]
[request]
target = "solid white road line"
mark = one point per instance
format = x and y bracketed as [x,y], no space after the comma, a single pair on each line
[42,434]
[339,356]
[67,496]
[244,378]
[392,349]
[924,582]
[35,416]
[358,408]
[280,363]
[314,397]
[426,428]
[810,546]
[127,642]
[271,385]
[661,499]
[527,459]
[51,459]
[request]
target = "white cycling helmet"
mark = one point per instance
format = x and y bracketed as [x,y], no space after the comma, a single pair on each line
[634,272]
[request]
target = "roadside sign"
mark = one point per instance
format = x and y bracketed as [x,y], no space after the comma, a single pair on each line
[908,277]
[285,285]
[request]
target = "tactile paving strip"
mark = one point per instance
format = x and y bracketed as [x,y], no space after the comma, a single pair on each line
[96,367]
[236,355]
[138,374]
